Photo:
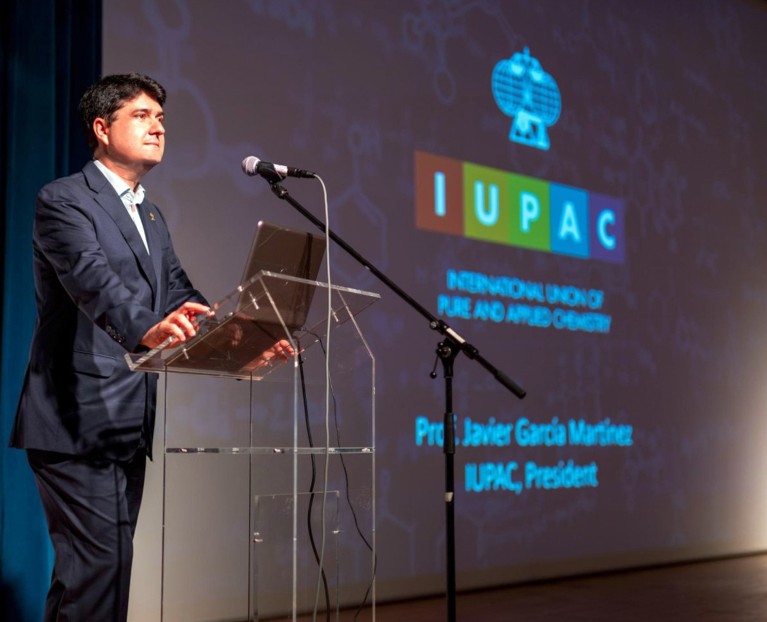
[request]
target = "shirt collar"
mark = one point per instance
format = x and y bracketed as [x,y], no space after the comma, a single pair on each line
[123,190]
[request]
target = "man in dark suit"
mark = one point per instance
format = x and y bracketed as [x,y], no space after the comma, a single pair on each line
[107,282]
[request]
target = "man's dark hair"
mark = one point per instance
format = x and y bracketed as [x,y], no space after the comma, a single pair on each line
[104,98]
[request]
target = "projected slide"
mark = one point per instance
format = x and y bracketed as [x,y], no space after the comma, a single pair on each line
[577,188]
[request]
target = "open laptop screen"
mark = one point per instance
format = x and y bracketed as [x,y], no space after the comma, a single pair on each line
[286,251]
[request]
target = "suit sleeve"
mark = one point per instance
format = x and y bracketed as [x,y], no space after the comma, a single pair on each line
[67,235]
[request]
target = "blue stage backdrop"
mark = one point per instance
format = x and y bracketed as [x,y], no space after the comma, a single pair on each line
[51,52]
[576,187]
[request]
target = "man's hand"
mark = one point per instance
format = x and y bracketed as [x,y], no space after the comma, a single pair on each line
[279,353]
[179,325]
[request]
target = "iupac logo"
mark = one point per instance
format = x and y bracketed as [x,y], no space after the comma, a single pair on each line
[524,91]
[491,205]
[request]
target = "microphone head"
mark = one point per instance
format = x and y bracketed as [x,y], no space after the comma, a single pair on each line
[250,165]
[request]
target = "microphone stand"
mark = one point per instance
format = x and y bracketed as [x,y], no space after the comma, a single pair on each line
[448,349]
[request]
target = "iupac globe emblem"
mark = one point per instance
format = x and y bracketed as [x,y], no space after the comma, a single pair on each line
[524,91]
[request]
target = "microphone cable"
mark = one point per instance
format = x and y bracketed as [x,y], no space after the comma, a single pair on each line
[347,488]
[326,474]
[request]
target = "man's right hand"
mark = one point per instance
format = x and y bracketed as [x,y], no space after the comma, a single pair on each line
[178,325]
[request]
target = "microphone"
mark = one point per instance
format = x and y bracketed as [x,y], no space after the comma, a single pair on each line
[273,173]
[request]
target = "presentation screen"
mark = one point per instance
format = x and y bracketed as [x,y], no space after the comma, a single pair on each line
[576,189]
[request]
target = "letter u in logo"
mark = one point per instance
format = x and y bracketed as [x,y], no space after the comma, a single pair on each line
[486,214]
[486,196]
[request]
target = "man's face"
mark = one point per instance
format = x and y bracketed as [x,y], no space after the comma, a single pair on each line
[135,139]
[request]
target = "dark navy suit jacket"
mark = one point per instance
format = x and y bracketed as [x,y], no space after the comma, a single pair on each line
[97,292]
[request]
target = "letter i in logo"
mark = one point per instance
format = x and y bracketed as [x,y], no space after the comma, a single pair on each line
[438,193]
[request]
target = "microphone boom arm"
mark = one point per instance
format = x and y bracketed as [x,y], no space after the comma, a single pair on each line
[434,323]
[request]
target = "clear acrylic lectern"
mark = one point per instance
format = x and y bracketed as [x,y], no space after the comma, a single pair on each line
[269,486]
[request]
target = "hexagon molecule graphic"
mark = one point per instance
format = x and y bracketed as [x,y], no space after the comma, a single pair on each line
[524,91]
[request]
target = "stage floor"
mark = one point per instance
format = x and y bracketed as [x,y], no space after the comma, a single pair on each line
[726,590]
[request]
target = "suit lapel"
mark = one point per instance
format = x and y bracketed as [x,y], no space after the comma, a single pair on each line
[107,198]
[150,220]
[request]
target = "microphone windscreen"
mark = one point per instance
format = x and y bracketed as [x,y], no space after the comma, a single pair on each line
[250,165]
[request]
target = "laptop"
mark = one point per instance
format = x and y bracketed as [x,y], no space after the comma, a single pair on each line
[233,342]
[282,250]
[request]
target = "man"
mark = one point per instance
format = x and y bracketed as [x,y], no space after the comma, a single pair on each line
[107,281]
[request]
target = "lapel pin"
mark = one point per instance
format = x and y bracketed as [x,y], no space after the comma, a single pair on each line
[151,216]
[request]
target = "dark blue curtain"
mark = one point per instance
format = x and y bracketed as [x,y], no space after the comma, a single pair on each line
[50,51]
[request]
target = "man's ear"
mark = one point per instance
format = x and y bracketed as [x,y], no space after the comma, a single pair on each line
[101,131]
